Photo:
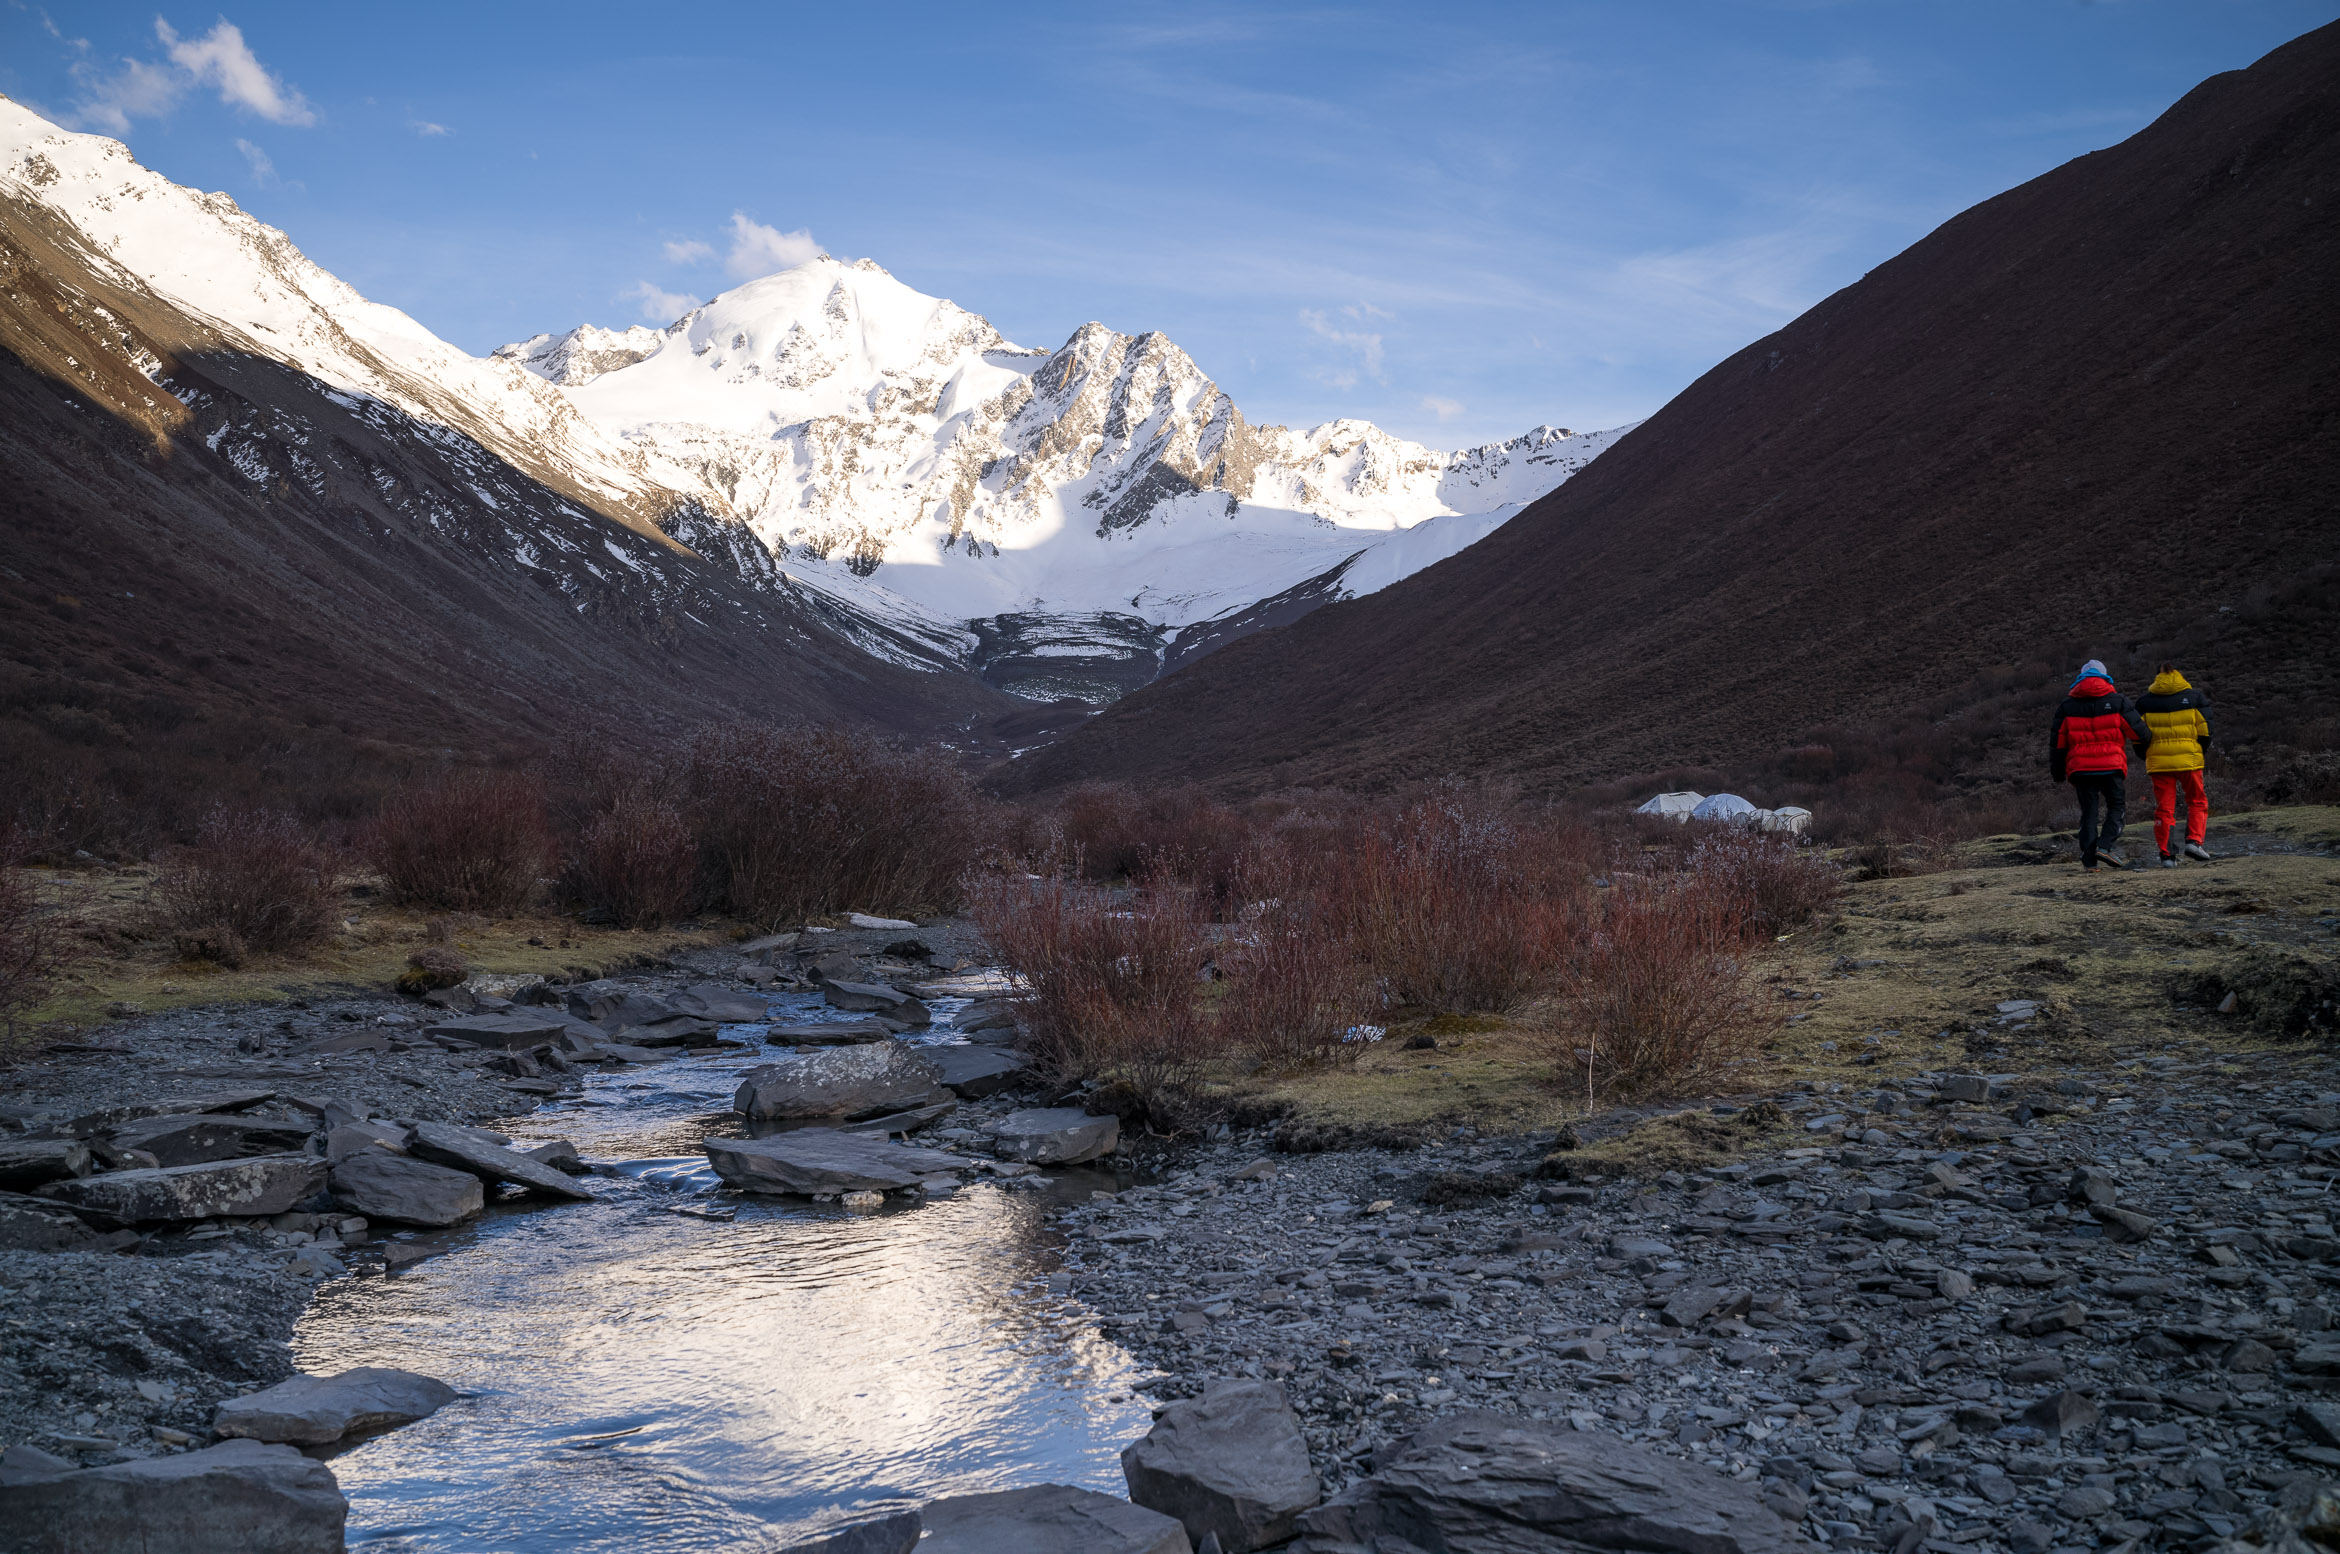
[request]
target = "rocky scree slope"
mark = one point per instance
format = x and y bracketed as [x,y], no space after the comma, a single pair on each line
[233,486]
[1063,521]
[2093,410]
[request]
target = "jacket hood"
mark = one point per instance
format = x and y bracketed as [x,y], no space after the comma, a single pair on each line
[2170,684]
[2091,685]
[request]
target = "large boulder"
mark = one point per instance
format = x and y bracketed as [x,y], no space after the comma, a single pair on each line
[986,1014]
[264,1184]
[876,998]
[515,1029]
[349,1138]
[1232,1462]
[192,1138]
[448,1145]
[1055,1135]
[1048,1519]
[92,1124]
[239,1497]
[31,1162]
[971,1073]
[405,1191]
[318,1410]
[710,1002]
[1499,1484]
[859,1081]
[895,1534]
[823,1160]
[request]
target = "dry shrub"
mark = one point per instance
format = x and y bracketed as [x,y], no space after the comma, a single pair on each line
[795,821]
[1296,989]
[634,864]
[1111,984]
[253,881]
[32,951]
[1773,884]
[1657,994]
[433,966]
[466,842]
[1118,833]
[1455,905]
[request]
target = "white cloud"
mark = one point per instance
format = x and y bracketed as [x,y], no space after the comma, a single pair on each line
[1442,407]
[263,169]
[689,252]
[426,129]
[659,306]
[1366,348]
[221,59]
[148,89]
[759,250]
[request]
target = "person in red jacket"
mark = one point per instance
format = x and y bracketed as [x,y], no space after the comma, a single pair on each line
[2088,744]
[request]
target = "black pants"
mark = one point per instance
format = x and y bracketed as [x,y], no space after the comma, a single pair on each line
[2105,794]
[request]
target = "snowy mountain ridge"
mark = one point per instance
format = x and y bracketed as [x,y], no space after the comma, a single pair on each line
[895,451]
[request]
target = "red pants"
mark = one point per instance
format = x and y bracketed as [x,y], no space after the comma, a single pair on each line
[2166,788]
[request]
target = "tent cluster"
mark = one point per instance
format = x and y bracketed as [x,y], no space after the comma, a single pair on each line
[1727,806]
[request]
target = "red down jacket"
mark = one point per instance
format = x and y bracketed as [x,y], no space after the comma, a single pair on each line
[2093,729]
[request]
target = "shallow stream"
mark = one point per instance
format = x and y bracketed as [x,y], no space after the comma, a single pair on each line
[644,1380]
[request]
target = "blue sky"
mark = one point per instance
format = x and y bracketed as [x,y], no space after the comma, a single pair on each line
[1458,220]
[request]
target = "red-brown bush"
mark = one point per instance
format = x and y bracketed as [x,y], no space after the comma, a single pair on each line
[1656,994]
[795,821]
[1181,833]
[1111,981]
[1296,989]
[1456,905]
[464,842]
[1772,884]
[635,863]
[252,880]
[31,949]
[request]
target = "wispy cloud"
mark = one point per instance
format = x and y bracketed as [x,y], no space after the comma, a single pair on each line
[1362,346]
[148,89]
[1442,407]
[689,252]
[222,60]
[759,250]
[658,305]
[427,130]
[263,168]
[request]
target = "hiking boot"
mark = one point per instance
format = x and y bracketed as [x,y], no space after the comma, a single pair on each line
[2168,862]
[2197,850]
[2111,859]
[2088,868]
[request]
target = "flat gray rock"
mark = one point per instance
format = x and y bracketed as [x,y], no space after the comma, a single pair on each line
[710,1002]
[1055,1135]
[316,1410]
[1048,1519]
[517,1029]
[895,1534]
[1499,1484]
[348,1139]
[448,1145]
[92,1124]
[29,1224]
[239,1497]
[986,1014]
[971,1073]
[858,1081]
[192,1138]
[406,1191]
[1232,1462]
[876,998]
[828,1033]
[32,1162]
[823,1160]
[265,1184]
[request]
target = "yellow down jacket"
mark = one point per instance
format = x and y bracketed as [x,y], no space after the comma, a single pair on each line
[2178,718]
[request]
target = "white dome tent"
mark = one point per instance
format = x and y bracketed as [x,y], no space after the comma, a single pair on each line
[1727,807]
[1673,806]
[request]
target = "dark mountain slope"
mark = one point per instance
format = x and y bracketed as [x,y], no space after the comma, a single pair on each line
[199,537]
[2091,412]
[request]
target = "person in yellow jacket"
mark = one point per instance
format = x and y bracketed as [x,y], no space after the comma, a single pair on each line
[2178,717]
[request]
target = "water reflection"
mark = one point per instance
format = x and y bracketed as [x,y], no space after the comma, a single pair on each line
[648,1381]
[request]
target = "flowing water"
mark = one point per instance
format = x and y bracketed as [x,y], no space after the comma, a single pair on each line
[644,1380]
